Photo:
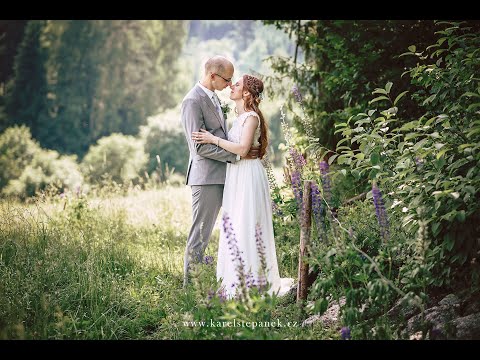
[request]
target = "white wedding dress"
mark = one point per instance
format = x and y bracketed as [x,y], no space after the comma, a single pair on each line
[247,202]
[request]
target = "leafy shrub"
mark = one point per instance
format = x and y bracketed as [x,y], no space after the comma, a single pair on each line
[17,149]
[430,163]
[164,137]
[120,156]
[47,168]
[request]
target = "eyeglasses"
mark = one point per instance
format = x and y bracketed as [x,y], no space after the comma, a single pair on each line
[226,80]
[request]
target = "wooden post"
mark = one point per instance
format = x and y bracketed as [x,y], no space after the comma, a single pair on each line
[305,230]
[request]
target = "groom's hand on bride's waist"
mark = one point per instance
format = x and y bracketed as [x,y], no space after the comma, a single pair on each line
[253,153]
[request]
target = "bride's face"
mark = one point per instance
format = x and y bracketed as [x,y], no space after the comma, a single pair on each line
[237,89]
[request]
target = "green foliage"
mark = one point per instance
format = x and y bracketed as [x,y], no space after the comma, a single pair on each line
[11,34]
[17,149]
[26,101]
[247,42]
[47,169]
[359,266]
[119,156]
[431,162]
[77,81]
[343,62]
[163,136]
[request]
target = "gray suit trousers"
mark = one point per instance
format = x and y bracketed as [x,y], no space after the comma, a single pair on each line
[206,203]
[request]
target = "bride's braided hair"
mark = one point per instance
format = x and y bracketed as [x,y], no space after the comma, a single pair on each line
[255,88]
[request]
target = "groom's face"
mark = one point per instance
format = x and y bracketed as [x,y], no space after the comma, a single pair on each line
[224,78]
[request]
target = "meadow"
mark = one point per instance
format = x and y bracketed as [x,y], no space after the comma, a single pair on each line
[78,267]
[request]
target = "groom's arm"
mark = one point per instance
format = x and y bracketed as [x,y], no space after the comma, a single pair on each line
[192,120]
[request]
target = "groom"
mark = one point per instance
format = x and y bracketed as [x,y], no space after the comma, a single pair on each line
[201,109]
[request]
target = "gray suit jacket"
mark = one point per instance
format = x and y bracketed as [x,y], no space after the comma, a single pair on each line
[207,162]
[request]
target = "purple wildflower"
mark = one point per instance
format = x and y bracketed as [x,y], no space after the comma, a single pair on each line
[297,94]
[345,333]
[298,159]
[276,209]
[317,209]
[211,294]
[207,260]
[380,212]
[262,279]
[222,294]
[436,334]
[327,190]
[236,253]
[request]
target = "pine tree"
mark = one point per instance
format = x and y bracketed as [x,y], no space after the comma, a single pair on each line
[26,103]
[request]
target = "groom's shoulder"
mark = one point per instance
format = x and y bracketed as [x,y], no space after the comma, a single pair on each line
[192,94]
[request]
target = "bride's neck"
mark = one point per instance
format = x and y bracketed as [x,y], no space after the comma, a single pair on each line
[240,107]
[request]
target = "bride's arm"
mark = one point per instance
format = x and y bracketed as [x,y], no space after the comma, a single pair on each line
[242,148]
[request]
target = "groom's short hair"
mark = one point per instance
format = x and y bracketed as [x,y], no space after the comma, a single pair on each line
[216,64]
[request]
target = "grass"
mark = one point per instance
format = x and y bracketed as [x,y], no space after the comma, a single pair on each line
[109,268]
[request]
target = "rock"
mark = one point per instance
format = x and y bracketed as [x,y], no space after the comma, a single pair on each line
[468,327]
[450,300]
[471,307]
[330,317]
[438,320]
[403,310]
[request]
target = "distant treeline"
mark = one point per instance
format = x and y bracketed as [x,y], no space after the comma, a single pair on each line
[74,81]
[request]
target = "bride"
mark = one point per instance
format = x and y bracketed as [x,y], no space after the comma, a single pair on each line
[246,237]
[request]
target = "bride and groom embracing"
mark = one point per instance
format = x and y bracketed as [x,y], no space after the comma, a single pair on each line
[225,172]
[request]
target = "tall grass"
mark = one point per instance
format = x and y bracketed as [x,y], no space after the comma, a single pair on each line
[103,268]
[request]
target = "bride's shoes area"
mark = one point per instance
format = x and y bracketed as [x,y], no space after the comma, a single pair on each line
[286,285]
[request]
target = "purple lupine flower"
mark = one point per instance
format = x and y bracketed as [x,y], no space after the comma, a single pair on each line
[327,190]
[297,94]
[236,253]
[207,260]
[262,279]
[211,294]
[436,334]
[276,209]
[345,333]
[317,209]
[304,119]
[222,294]
[297,158]
[297,188]
[380,212]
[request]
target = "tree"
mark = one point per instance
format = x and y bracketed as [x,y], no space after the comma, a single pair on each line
[77,81]
[344,62]
[11,34]
[25,104]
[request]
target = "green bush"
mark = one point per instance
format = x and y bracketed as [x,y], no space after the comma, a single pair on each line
[17,149]
[164,137]
[119,156]
[47,168]
[430,164]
